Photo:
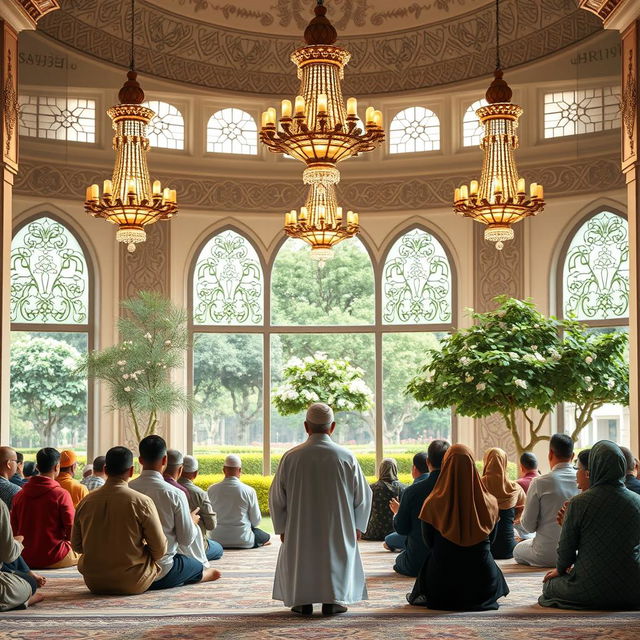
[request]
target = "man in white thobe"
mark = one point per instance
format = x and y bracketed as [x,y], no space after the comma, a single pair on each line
[320,503]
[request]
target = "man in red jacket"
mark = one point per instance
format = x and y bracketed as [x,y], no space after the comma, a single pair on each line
[44,516]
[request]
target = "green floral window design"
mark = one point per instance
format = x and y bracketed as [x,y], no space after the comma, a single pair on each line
[228,282]
[596,270]
[416,282]
[49,275]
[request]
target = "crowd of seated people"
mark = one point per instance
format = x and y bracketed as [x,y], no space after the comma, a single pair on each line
[163,531]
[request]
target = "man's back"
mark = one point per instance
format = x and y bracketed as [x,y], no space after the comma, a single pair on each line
[76,490]
[110,526]
[43,513]
[545,497]
[237,510]
[173,509]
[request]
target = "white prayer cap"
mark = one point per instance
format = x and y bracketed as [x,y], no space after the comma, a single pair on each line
[320,414]
[174,458]
[190,464]
[232,460]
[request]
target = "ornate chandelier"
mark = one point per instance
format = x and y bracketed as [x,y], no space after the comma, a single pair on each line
[499,199]
[128,199]
[320,130]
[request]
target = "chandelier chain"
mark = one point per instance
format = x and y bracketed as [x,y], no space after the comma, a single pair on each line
[498,66]
[132,62]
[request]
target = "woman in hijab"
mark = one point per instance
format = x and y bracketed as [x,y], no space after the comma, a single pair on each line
[510,497]
[459,517]
[598,563]
[387,487]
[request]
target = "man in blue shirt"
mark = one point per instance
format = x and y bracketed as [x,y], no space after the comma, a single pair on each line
[407,522]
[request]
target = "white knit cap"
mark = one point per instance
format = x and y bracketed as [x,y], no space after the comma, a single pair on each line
[174,457]
[232,460]
[320,414]
[190,464]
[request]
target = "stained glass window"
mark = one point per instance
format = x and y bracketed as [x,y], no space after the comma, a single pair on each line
[166,130]
[72,119]
[228,282]
[596,269]
[49,275]
[568,113]
[414,129]
[471,128]
[416,281]
[232,131]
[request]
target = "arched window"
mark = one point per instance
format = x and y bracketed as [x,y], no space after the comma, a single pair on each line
[58,118]
[166,130]
[51,329]
[232,130]
[227,309]
[413,130]
[471,127]
[593,287]
[248,326]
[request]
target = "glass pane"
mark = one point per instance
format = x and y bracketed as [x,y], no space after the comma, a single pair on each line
[232,131]
[408,428]
[48,395]
[354,429]
[416,281]
[49,275]
[227,387]
[166,130]
[414,129]
[58,118]
[596,270]
[338,293]
[472,130]
[227,282]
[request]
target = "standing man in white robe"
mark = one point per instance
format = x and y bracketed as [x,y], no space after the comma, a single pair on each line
[320,503]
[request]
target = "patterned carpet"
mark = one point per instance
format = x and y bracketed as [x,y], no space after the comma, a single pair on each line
[240,606]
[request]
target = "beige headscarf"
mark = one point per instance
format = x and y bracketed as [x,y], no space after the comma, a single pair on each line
[460,507]
[388,472]
[508,493]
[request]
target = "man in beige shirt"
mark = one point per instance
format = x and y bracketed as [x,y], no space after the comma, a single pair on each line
[119,533]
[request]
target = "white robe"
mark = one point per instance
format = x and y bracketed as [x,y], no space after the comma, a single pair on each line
[318,498]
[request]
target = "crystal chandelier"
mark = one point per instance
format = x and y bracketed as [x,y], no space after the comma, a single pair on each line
[499,199]
[128,199]
[320,130]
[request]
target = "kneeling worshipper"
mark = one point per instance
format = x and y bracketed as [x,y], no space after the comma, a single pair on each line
[320,503]
[631,479]
[118,532]
[66,479]
[582,480]
[17,583]
[510,497]
[387,488]
[598,563]
[459,517]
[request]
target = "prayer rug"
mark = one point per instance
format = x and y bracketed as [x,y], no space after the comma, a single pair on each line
[239,606]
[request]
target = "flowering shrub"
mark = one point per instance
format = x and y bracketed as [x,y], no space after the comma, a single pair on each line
[318,378]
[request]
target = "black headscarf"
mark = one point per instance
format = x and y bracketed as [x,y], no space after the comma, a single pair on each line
[607,464]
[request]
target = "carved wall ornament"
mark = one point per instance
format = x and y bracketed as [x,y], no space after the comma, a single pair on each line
[38,8]
[10,107]
[629,102]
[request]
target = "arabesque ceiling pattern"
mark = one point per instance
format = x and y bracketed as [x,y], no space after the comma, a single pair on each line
[235,47]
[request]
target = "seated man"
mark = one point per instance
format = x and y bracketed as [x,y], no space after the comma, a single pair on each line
[179,526]
[18,477]
[545,497]
[528,470]
[97,477]
[8,466]
[17,588]
[43,514]
[407,521]
[173,470]
[238,511]
[419,472]
[631,480]
[68,466]
[124,522]
[198,499]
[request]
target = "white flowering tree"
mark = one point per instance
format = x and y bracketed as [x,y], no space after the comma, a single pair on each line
[505,363]
[138,370]
[318,378]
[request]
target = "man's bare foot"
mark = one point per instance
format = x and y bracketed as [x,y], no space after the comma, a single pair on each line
[209,575]
[267,543]
[40,580]
[35,598]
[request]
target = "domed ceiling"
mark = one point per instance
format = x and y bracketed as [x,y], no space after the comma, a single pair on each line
[244,45]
